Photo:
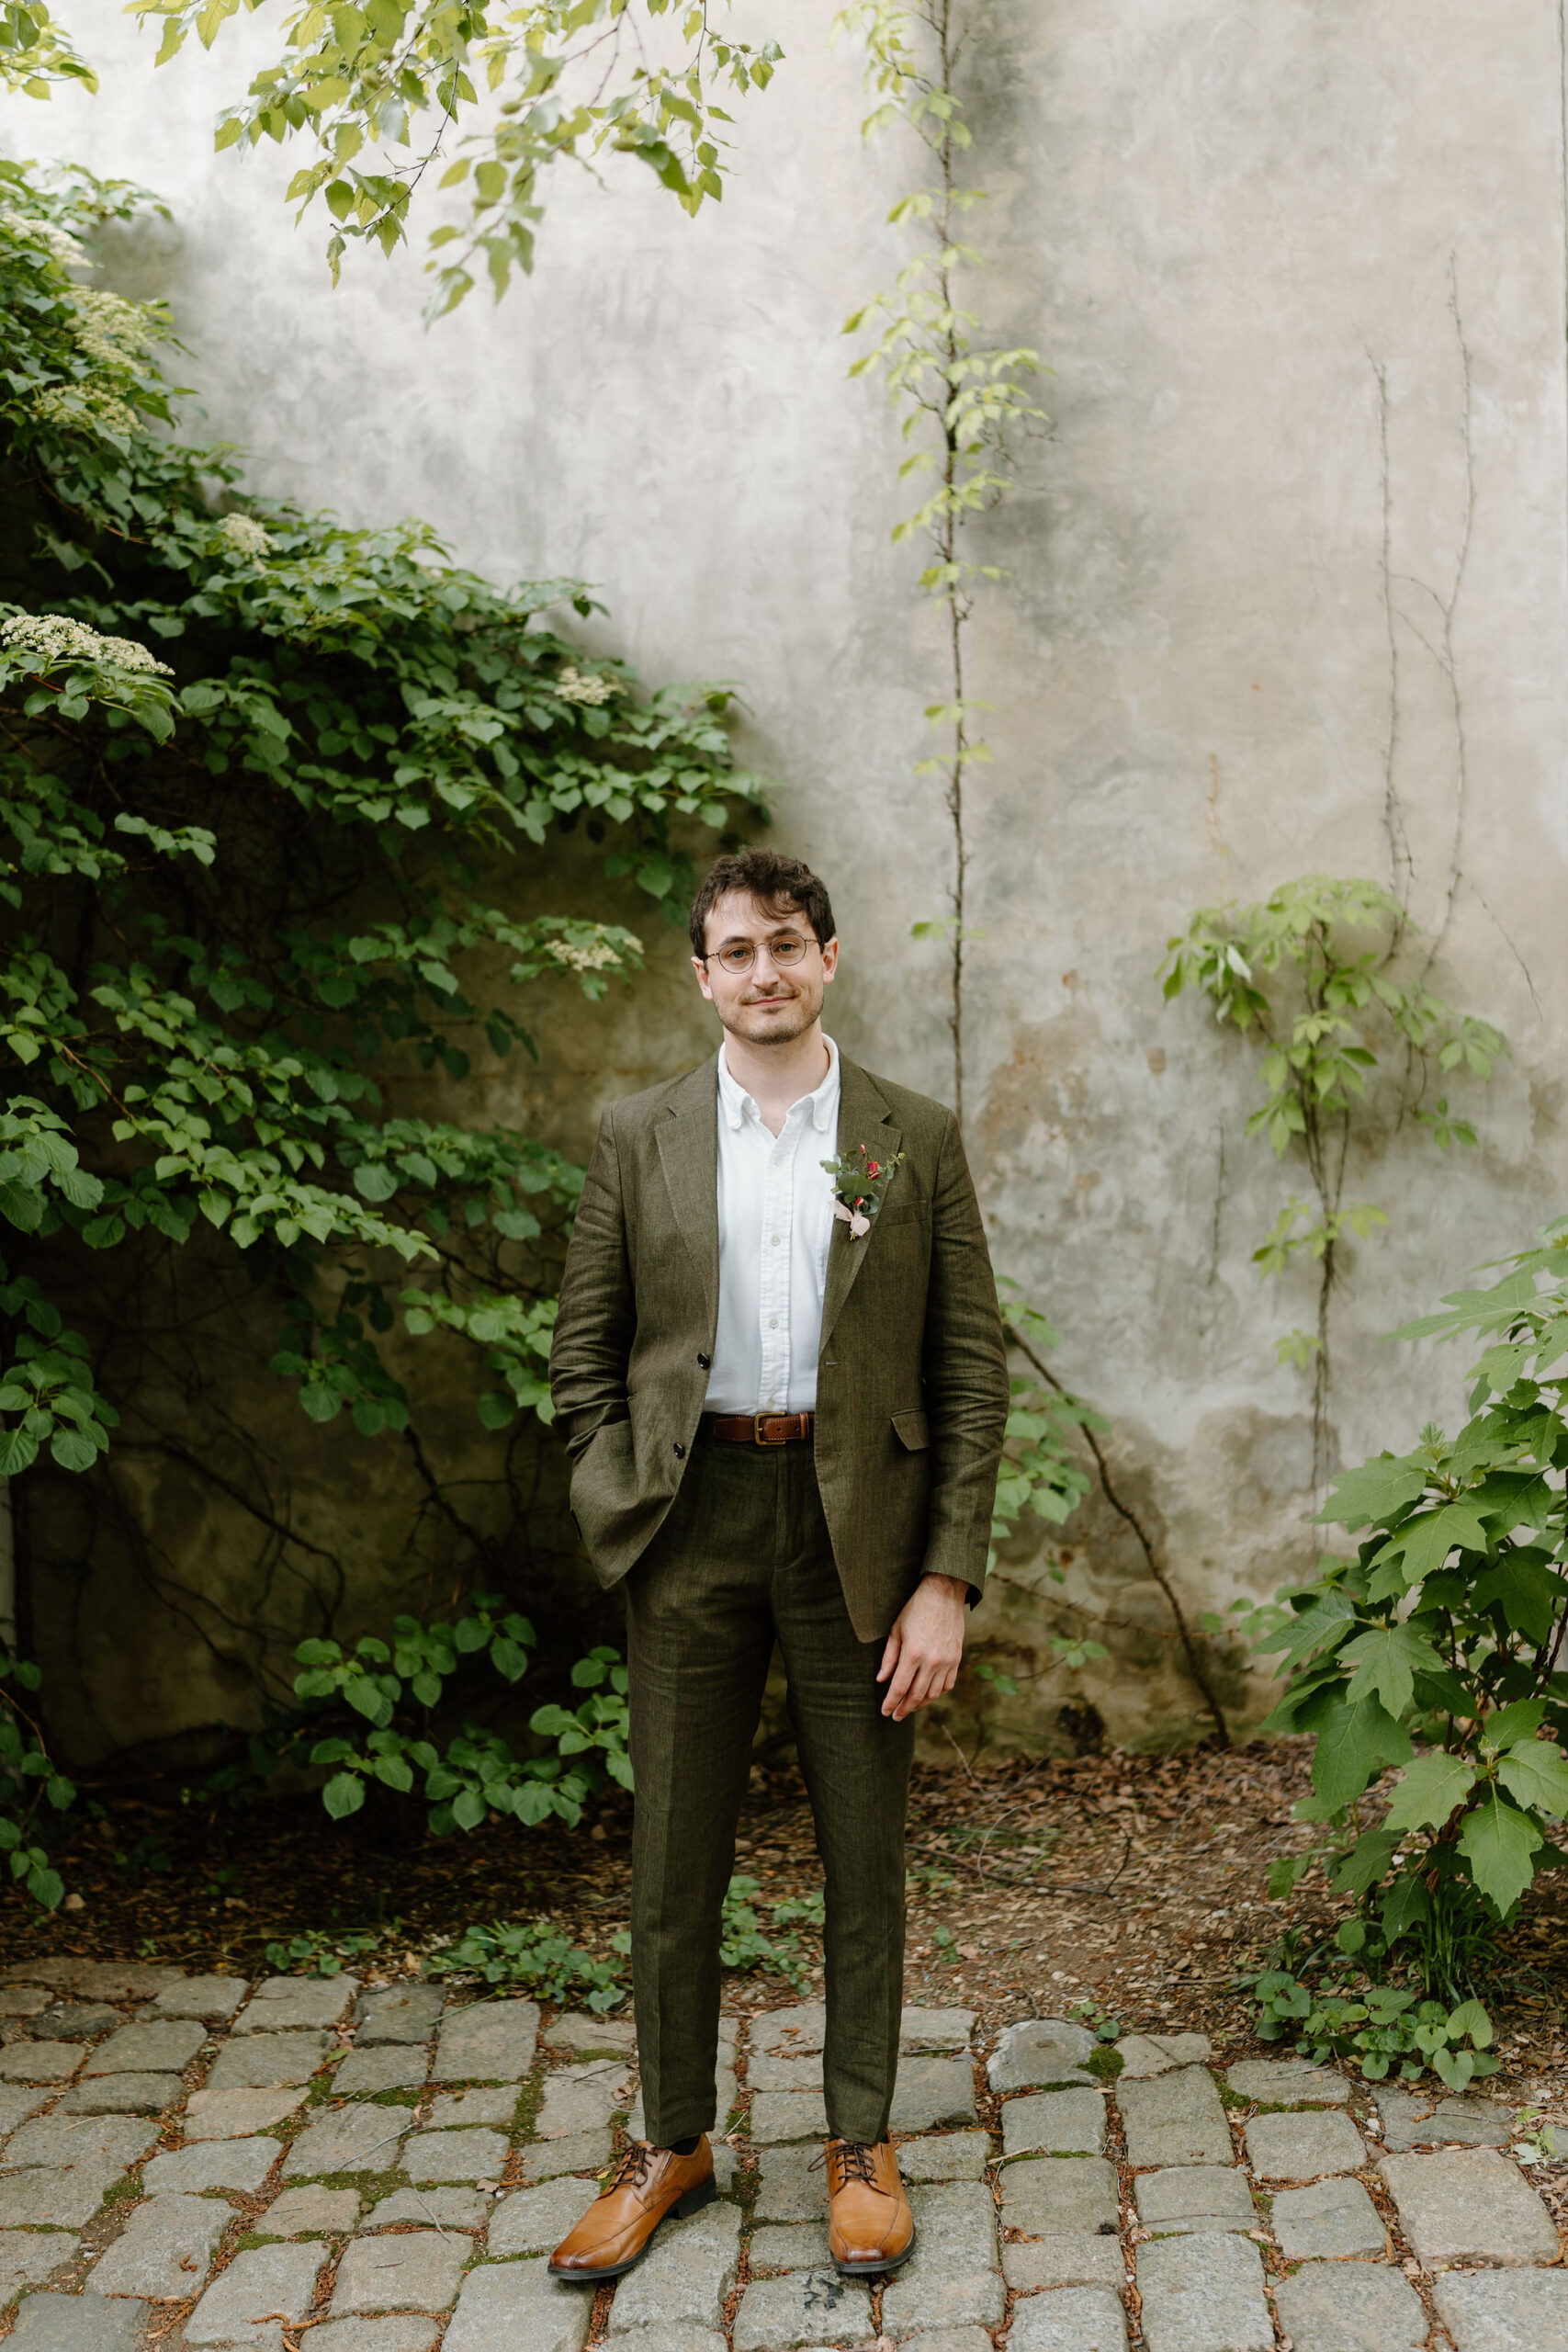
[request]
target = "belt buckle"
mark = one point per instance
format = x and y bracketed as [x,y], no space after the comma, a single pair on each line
[757,1437]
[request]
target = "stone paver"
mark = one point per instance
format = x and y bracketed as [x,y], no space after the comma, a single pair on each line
[413,2270]
[1189,2197]
[535,2220]
[1143,2054]
[685,2276]
[1059,2196]
[311,2212]
[1467,2205]
[353,2139]
[123,2095]
[1175,2119]
[1332,2218]
[1351,2307]
[119,2140]
[936,2029]
[17,2103]
[1301,2145]
[235,2115]
[454,2155]
[789,2245]
[78,2324]
[389,2068]
[1078,2319]
[582,2098]
[1287,2082]
[791,2190]
[50,2197]
[779,2116]
[164,2251]
[954,2277]
[400,2332]
[949,2156]
[73,2020]
[264,2279]
[402,2013]
[212,2163]
[266,2060]
[585,2152]
[932,2091]
[578,2029]
[1410,2120]
[28,2257]
[1203,2294]
[487,2103]
[765,2071]
[1491,2311]
[148,2049]
[1057,2124]
[801,2026]
[805,2307]
[213,2000]
[286,2004]
[518,2303]
[1040,2051]
[492,2042]
[40,2062]
[448,2209]
[1062,2262]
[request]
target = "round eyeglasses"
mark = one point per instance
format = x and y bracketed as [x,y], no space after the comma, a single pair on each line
[738,955]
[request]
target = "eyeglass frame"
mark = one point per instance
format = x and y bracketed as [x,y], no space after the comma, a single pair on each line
[714,954]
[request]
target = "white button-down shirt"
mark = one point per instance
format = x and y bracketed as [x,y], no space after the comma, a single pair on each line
[775,1220]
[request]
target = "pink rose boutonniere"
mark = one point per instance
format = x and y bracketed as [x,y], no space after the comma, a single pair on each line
[858,1183]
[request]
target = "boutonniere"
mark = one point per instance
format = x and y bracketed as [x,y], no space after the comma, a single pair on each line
[858,1182]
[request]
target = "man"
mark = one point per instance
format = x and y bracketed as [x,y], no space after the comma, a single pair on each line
[785,1394]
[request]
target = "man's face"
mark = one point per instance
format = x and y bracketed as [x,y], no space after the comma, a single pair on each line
[776,997]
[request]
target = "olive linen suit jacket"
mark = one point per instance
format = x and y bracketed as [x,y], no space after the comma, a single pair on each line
[912,1378]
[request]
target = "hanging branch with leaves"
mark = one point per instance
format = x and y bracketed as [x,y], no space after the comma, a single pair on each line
[959,396]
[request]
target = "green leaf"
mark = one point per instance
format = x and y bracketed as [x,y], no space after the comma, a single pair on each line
[1423,1543]
[1366,1863]
[1537,1774]
[468,1809]
[1523,1586]
[1429,1791]
[1498,1843]
[1373,1493]
[344,1794]
[1355,1739]
[1387,1659]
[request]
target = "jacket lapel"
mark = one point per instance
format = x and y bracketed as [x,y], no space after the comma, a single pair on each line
[862,1118]
[688,1153]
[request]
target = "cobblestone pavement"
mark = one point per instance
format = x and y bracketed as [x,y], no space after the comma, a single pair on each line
[305,2166]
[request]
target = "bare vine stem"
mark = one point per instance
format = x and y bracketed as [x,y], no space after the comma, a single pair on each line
[1125,1511]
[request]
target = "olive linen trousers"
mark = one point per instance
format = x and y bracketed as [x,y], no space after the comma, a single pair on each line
[742,1558]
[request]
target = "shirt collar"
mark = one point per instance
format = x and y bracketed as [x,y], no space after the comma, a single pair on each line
[738,1105]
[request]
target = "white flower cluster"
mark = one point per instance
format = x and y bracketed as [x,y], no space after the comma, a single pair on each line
[574,686]
[245,536]
[85,408]
[54,637]
[585,956]
[108,329]
[61,244]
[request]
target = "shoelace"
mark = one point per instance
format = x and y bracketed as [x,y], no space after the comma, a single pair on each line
[634,2166]
[855,2160]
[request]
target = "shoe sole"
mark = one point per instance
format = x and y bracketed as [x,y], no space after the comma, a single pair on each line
[706,2193]
[874,2269]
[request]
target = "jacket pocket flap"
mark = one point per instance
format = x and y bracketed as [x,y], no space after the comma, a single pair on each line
[913,1429]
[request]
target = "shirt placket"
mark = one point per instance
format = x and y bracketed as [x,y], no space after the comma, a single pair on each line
[778,1206]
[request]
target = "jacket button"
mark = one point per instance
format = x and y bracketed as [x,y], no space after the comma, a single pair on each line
[680,1450]
[705,1361]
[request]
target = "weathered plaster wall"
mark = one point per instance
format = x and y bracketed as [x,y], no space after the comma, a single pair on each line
[1288,572]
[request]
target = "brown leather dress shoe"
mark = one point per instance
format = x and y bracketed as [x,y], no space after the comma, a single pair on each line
[870,2226]
[646,2184]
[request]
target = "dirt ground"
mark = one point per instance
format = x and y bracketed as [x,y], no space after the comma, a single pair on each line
[1134,1883]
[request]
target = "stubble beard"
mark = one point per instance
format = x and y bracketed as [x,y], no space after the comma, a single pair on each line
[775,1029]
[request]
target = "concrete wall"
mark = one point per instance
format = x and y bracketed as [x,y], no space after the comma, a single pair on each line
[1288,576]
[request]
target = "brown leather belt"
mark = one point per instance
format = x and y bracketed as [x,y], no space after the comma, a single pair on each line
[760,1429]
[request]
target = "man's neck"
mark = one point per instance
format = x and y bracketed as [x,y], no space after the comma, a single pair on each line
[777,1075]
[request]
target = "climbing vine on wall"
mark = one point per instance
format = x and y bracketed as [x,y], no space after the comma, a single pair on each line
[1329,1016]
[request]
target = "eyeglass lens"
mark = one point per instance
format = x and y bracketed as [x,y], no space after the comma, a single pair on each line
[739,955]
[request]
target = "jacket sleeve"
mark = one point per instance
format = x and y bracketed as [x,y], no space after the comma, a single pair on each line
[965,1375]
[597,1320]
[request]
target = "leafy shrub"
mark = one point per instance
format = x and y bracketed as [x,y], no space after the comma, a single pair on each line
[744,1944]
[1378,2028]
[1444,1635]
[318,1954]
[535,1955]
[29,1780]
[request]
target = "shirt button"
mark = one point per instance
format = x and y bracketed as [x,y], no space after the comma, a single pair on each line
[773,1322]
[774,1239]
[680,1450]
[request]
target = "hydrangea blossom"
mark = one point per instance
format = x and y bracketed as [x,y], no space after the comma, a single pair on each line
[575,685]
[108,329]
[585,955]
[245,536]
[61,244]
[84,408]
[55,636]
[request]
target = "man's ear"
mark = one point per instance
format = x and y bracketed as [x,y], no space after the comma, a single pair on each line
[831,958]
[701,971]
